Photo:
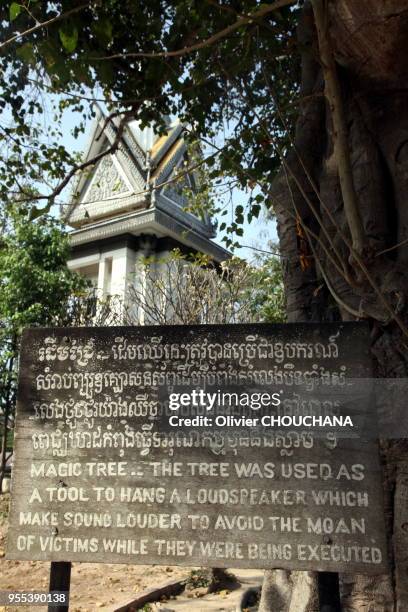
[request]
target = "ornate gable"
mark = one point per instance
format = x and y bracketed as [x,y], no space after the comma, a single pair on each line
[134,179]
[107,182]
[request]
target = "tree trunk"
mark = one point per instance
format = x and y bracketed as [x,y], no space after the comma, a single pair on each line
[324,278]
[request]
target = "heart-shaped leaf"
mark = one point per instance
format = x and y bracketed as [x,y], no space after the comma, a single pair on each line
[15,10]
[69,38]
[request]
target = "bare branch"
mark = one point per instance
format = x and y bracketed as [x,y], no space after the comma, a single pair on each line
[396,246]
[340,137]
[90,162]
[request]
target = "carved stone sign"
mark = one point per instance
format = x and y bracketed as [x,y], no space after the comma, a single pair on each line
[194,446]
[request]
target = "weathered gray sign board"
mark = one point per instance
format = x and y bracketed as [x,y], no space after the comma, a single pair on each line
[100,475]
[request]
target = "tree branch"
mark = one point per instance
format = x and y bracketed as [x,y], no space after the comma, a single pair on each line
[239,23]
[340,136]
[44,24]
[90,162]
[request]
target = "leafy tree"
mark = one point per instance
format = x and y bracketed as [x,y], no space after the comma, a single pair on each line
[128,55]
[192,289]
[266,291]
[36,288]
[312,98]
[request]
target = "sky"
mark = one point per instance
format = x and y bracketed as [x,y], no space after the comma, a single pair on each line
[257,234]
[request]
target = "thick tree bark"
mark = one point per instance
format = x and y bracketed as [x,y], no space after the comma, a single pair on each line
[323,280]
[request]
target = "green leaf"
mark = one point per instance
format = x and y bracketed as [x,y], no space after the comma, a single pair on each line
[26,53]
[69,38]
[255,210]
[103,30]
[15,10]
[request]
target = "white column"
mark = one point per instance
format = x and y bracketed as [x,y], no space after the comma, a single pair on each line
[101,278]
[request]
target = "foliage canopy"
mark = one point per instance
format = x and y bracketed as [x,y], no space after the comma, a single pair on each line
[35,282]
[224,68]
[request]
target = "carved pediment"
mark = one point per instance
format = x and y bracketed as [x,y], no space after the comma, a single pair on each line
[107,182]
[135,177]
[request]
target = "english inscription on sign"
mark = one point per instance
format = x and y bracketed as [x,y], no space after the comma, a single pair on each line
[126,450]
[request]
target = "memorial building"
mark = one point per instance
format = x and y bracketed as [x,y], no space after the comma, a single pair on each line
[127,208]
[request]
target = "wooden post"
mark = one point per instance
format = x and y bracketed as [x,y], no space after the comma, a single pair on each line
[7,411]
[60,579]
[329,592]
[3,457]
